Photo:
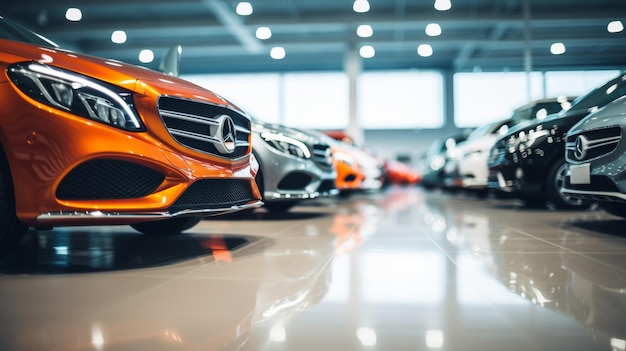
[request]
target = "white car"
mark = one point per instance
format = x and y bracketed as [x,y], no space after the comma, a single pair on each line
[466,165]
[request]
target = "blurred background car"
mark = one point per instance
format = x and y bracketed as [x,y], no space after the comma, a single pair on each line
[466,165]
[90,141]
[294,165]
[434,159]
[530,162]
[595,150]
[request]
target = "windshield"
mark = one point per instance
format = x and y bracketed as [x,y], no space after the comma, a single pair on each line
[602,95]
[13,31]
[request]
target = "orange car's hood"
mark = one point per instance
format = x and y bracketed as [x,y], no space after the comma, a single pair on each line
[131,77]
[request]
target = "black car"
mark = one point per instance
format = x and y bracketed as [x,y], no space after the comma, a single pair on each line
[596,158]
[529,162]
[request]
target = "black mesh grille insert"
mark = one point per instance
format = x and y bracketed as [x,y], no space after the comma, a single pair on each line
[214,193]
[108,179]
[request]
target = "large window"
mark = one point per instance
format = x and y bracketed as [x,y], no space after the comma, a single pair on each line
[257,94]
[576,83]
[316,100]
[481,98]
[400,99]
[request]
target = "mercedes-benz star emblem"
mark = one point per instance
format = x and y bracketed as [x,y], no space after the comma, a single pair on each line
[226,134]
[580,148]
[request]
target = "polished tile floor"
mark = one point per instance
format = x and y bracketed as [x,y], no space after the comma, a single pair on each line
[403,269]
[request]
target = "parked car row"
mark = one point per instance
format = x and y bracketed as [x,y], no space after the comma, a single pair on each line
[568,160]
[91,141]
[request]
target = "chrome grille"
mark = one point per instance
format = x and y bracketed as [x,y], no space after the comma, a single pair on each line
[591,144]
[322,155]
[194,125]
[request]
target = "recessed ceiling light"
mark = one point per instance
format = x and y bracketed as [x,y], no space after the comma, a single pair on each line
[244,8]
[361,6]
[146,56]
[443,5]
[615,26]
[118,37]
[263,33]
[433,29]
[277,53]
[425,50]
[73,14]
[364,31]
[557,48]
[367,51]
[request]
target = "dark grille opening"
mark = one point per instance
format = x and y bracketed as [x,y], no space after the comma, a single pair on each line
[349,178]
[108,179]
[213,194]
[326,186]
[605,148]
[294,181]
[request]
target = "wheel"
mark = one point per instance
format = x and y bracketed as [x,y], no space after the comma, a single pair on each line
[282,206]
[167,227]
[615,208]
[554,184]
[11,229]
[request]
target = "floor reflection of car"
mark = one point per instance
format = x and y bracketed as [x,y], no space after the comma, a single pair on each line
[466,166]
[91,141]
[294,165]
[595,150]
[531,162]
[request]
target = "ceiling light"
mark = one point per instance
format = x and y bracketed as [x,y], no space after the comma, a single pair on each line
[146,56]
[433,29]
[244,8]
[118,37]
[615,27]
[425,50]
[263,33]
[442,5]
[367,51]
[361,6]
[277,53]
[557,48]
[73,14]
[364,31]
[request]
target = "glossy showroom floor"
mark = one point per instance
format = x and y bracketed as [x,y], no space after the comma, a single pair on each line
[404,269]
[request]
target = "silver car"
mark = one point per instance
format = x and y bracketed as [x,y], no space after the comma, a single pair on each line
[295,165]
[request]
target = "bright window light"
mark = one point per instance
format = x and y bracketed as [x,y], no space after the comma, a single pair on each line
[615,27]
[557,49]
[367,51]
[244,8]
[263,33]
[146,56]
[361,6]
[433,29]
[118,37]
[434,339]
[367,336]
[425,50]
[277,53]
[364,31]
[443,5]
[73,14]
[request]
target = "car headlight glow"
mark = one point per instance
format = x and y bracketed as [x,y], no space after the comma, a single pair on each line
[286,144]
[76,94]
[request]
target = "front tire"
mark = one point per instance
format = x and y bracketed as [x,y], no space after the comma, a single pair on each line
[11,228]
[166,227]
[554,184]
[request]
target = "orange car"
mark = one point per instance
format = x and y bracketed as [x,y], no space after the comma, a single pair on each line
[90,141]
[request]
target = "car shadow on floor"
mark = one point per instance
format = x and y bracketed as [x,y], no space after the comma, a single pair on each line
[61,251]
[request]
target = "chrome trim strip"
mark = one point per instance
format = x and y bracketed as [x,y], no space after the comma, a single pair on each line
[275,195]
[75,215]
[616,195]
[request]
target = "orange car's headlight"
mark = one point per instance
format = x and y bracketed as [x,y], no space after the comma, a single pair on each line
[76,94]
